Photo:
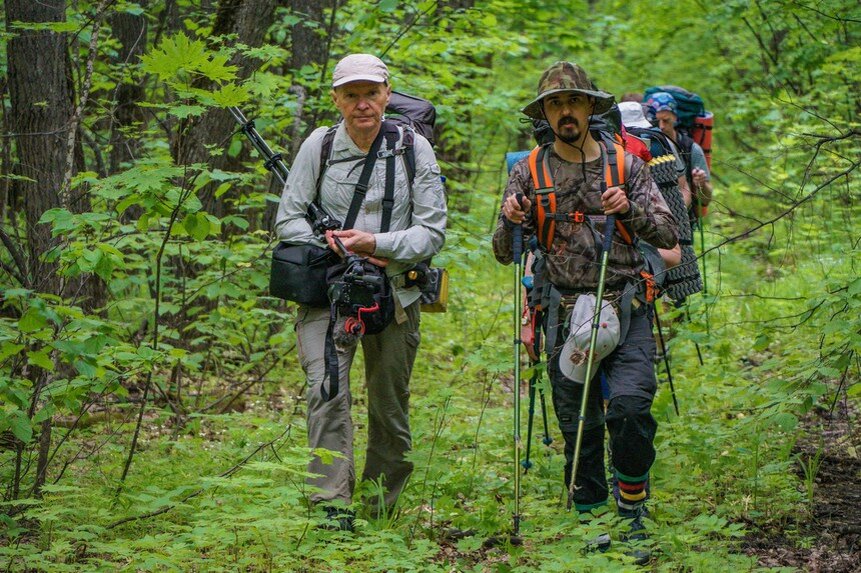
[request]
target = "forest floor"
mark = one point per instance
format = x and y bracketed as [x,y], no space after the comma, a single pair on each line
[832,535]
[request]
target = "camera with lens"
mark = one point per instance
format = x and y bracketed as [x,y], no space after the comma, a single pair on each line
[355,288]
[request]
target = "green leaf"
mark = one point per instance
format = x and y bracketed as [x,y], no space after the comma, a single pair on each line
[32,320]
[184,111]
[222,189]
[61,220]
[20,425]
[8,349]
[41,358]
[197,225]
[230,95]
[785,421]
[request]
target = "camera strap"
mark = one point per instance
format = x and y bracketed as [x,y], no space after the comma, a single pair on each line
[330,353]
[390,133]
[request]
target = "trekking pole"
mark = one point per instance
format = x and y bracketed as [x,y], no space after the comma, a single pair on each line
[320,220]
[547,440]
[274,162]
[527,463]
[533,386]
[702,227]
[666,358]
[517,251]
[696,344]
[593,340]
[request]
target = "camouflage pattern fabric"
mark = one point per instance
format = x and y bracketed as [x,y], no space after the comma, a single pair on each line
[567,77]
[573,262]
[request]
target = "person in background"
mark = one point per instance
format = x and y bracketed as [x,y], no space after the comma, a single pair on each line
[661,112]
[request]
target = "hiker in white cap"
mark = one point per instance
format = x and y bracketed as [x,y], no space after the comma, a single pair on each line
[393,214]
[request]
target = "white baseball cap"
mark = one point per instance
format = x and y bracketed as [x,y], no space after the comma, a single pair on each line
[574,356]
[632,114]
[360,68]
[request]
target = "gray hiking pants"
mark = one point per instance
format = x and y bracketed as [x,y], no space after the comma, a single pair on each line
[389,358]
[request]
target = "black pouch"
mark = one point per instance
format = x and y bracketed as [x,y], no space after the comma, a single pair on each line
[299,273]
[361,290]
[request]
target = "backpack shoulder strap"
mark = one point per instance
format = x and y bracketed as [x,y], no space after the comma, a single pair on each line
[392,134]
[364,179]
[545,194]
[325,154]
[408,145]
[617,167]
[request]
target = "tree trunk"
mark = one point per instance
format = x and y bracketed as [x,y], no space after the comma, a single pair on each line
[131,31]
[41,109]
[307,48]
[41,105]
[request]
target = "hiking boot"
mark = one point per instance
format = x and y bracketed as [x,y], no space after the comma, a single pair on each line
[600,543]
[338,519]
[636,533]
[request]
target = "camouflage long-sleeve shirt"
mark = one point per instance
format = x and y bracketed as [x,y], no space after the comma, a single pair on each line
[573,262]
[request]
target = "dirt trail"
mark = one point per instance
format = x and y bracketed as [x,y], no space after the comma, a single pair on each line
[835,526]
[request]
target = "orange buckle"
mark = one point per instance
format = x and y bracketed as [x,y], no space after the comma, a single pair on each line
[576,216]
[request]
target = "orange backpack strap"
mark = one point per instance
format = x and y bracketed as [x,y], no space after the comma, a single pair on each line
[614,176]
[545,194]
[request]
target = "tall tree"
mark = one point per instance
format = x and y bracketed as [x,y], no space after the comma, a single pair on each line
[41,113]
[40,120]
[308,47]
[131,31]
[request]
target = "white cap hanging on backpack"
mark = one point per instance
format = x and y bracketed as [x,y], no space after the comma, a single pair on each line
[360,68]
[633,115]
[574,356]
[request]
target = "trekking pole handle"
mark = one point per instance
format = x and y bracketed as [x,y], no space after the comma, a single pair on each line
[517,247]
[609,226]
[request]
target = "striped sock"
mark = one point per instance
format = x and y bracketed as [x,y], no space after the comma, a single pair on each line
[632,491]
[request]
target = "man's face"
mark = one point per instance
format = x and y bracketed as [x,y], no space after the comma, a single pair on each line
[568,115]
[362,105]
[667,122]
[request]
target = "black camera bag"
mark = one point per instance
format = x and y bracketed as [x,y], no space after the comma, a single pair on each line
[298,273]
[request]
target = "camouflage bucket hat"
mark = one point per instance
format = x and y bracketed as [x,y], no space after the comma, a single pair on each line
[567,77]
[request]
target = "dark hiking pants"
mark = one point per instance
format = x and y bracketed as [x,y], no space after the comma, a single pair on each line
[630,376]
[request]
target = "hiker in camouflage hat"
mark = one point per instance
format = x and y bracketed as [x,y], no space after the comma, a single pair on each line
[567,77]
[575,161]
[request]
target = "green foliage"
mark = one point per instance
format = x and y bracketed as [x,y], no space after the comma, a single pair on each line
[217,484]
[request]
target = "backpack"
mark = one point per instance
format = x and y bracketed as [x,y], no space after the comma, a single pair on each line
[694,120]
[684,279]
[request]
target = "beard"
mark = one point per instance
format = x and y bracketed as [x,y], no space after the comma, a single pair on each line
[568,130]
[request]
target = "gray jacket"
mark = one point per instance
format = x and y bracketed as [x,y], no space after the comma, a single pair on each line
[417,229]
